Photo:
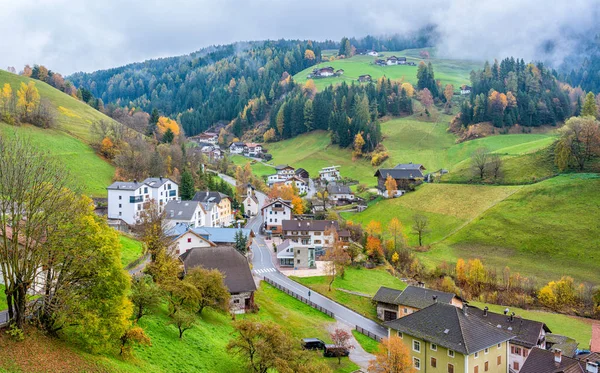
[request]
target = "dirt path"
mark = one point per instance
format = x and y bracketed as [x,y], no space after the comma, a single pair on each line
[358,355]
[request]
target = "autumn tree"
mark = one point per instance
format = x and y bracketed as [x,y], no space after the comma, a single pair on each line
[409,89]
[152,228]
[426,98]
[243,176]
[309,55]
[479,162]
[309,88]
[145,296]
[269,135]
[353,250]
[391,186]
[579,142]
[396,231]
[107,148]
[476,275]
[27,71]
[461,271]
[133,336]
[28,99]
[392,357]
[285,192]
[165,124]
[336,256]
[297,205]
[374,249]
[359,142]
[211,287]
[448,93]
[7,104]
[341,338]
[420,227]
[589,106]
[323,196]
[374,228]
[497,103]
[558,295]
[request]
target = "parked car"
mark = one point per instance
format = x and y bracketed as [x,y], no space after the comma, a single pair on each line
[313,344]
[335,351]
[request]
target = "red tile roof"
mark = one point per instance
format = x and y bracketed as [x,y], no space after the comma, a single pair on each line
[595,343]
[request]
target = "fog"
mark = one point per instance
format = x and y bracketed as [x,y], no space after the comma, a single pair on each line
[69,36]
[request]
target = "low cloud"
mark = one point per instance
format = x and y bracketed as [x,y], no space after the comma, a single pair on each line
[70,36]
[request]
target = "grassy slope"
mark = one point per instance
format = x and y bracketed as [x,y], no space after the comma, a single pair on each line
[448,71]
[368,344]
[69,141]
[365,281]
[3,304]
[131,249]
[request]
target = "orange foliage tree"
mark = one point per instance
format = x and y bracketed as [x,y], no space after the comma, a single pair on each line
[374,248]
[392,357]
[298,205]
[165,123]
[282,191]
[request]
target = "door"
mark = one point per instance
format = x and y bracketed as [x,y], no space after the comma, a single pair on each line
[389,315]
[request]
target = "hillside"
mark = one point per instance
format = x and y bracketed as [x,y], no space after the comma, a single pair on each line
[69,141]
[455,72]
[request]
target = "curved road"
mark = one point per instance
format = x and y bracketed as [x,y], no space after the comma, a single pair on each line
[263,266]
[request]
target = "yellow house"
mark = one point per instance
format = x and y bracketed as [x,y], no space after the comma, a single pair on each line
[218,208]
[443,338]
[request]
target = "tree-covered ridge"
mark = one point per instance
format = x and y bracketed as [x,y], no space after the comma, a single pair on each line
[512,92]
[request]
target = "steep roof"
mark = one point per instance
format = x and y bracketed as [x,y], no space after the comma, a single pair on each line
[409,166]
[207,196]
[338,189]
[277,200]
[157,182]
[308,225]
[222,235]
[227,260]
[399,173]
[527,332]
[181,210]
[125,185]
[542,361]
[283,167]
[418,297]
[386,295]
[450,327]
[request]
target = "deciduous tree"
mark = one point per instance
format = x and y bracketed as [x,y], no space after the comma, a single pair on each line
[165,124]
[479,162]
[589,106]
[374,249]
[183,321]
[392,357]
[211,287]
[396,231]
[28,99]
[145,296]
[579,141]
[420,227]
[391,186]
[298,205]
[133,336]
[426,98]
[374,228]
[359,142]
[341,338]
[336,257]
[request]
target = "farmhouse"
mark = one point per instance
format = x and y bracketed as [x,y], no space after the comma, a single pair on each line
[393,60]
[364,78]
[465,89]
[380,62]
[186,238]
[529,334]
[300,184]
[403,174]
[302,173]
[233,265]
[206,137]
[339,72]
[323,72]
[252,149]
[393,304]
[190,213]
[127,199]
[373,53]
[236,147]
[331,173]
[542,361]
[283,173]
[217,206]
[340,194]
[444,338]
[274,213]
[251,204]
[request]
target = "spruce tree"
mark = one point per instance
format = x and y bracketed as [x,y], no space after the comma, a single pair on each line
[186,189]
[589,106]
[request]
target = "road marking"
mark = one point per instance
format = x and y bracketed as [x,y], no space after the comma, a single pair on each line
[265,270]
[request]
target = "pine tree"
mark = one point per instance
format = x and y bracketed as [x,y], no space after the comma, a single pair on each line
[186,188]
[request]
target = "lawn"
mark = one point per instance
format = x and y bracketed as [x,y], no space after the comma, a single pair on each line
[356,279]
[131,250]
[258,168]
[577,328]
[368,344]
[3,304]
[90,172]
[454,72]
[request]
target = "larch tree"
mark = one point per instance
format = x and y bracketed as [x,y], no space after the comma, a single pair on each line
[410,90]
[309,55]
[359,143]
[298,205]
[391,186]
[392,357]
[589,106]
[28,99]
[374,228]
[448,93]
[396,231]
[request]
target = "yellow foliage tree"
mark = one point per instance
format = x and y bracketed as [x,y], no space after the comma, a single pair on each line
[410,90]
[395,231]
[309,55]
[392,357]
[359,142]
[310,88]
[269,135]
[165,123]
[107,148]
[461,271]
[6,96]
[391,186]
[373,228]
[298,205]
[28,98]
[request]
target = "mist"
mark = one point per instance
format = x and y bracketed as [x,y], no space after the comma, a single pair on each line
[69,36]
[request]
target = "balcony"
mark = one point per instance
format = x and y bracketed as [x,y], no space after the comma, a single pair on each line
[136,199]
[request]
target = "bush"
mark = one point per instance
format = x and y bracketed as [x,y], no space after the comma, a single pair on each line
[379,157]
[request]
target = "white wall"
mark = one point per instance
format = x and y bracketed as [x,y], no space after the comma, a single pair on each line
[119,206]
[188,241]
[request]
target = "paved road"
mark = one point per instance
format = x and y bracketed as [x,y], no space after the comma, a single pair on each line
[263,266]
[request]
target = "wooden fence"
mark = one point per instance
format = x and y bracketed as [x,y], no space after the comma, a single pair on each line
[368,333]
[300,298]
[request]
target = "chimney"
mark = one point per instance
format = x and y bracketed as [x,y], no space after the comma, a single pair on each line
[435,299]
[591,367]
[465,309]
[160,178]
[512,317]
[485,310]
[506,311]
[557,355]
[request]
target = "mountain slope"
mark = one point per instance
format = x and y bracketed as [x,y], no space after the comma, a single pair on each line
[70,140]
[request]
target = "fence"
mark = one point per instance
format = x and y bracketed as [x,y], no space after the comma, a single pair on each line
[300,298]
[368,333]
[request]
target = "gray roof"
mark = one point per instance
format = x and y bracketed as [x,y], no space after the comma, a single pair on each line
[409,166]
[237,144]
[397,173]
[449,327]
[283,166]
[567,345]
[222,235]
[308,225]
[338,189]
[387,295]
[181,210]
[542,361]
[227,260]
[156,182]
[527,332]
[206,197]
[418,297]
[125,185]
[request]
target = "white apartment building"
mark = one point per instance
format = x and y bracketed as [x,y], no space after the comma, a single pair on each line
[330,173]
[283,173]
[191,213]
[274,213]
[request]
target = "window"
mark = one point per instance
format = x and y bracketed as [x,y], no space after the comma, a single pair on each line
[417,363]
[476,369]
[298,251]
[145,190]
[499,345]
[270,220]
[120,197]
[120,205]
[236,301]
[516,365]
[298,261]
[317,233]
[486,351]
[189,240]
[499,360]
[433,362]
[525,353]
[400,335]
[450,353]
[120,213]
[476,355]
[518,350]
[405,310]
[486,366]
[417,346]
[450,368]
[433,347]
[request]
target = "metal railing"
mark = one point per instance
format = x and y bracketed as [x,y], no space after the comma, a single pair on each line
[300,298]
[368,333]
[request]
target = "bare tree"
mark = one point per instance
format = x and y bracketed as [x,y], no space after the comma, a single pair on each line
[420,226]
[33,203]
[479,161]
[495,166]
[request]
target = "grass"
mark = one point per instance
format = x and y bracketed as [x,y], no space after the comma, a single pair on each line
[258,168]
[368,344]
[356,279]
[131,249]
[91,173]
[3,304]
[69,141]
[448,71]
[577,328]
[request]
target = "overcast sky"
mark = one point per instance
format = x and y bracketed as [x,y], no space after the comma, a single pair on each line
[82,35]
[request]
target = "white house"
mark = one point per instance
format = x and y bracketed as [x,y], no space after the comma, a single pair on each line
[283,173]
[393,60]
[189,240]
[218,208]
[300,184]
[373,53]
[251,204]
[274,213]
[330,173]
[252,150]
[340,194]
[190,213]
[465,90]
[236,147]
[127,199]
